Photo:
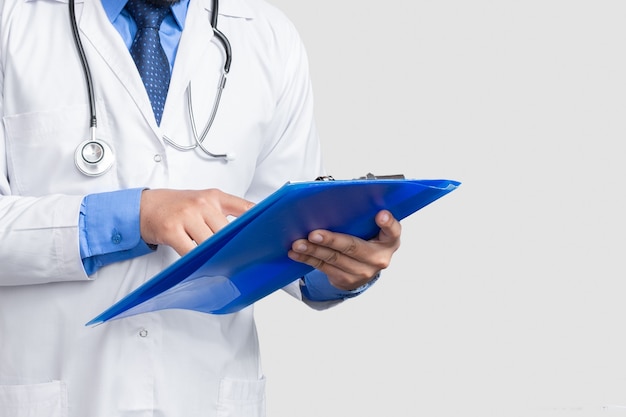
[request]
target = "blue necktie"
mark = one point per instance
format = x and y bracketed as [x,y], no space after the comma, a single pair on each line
[148,53]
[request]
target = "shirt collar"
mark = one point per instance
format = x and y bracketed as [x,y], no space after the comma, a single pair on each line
[113,8]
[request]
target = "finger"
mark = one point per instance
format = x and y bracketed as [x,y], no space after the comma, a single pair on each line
[375,253]
[182,243]
[215,216]
[326,259]
[347,277]
[316,254]
[340,242]
[199,231]
[232,205]
[348,246]
[214,223]
[390,228]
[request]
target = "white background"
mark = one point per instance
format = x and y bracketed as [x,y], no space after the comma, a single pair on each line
[508,296]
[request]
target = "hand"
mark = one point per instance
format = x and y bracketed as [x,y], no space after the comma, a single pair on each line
[183,219]
[349,262]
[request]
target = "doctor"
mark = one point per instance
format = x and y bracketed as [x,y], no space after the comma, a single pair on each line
[103,184]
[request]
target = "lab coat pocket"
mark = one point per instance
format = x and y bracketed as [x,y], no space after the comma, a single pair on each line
[35,400]
[41,148]
[241,398]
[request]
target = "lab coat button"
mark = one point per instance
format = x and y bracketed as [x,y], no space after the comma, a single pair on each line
[158,158]
[116,238]
[143,333]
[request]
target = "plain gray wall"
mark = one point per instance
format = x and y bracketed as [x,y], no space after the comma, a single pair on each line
[507,297]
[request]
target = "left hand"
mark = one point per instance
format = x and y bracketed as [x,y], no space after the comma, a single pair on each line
[349,262]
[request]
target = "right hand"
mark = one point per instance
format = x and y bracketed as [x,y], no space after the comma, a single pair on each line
[183,219]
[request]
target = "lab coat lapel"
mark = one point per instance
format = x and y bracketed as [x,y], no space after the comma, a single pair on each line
[195,41]
[96,29]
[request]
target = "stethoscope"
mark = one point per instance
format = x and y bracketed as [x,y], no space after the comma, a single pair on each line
[94,157]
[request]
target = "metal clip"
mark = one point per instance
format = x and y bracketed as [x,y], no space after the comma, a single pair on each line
[371,176]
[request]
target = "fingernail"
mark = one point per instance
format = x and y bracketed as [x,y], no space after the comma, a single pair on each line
[316,238]
[301,247]
[384,218]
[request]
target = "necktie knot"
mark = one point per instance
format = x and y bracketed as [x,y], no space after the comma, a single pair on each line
[147,15]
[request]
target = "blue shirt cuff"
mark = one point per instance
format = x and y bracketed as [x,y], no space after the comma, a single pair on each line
[315,286]
[109,228]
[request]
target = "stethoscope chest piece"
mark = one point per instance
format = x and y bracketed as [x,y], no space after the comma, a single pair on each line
[94,157]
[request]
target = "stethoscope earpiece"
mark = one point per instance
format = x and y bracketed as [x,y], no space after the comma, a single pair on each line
[94,157]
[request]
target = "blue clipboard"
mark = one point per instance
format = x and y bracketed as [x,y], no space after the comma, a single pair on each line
[247,259]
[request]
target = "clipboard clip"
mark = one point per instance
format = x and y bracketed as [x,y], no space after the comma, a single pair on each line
[371,176]
[368,176]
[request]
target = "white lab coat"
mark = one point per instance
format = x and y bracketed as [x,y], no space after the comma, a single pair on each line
[172,363]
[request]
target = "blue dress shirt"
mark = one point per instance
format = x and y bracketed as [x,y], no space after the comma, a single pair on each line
[109,222]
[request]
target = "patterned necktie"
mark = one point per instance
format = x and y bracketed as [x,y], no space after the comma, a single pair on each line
[148,53]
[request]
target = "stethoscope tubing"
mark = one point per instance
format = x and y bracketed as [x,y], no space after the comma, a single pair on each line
[90,168]
[93,122]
